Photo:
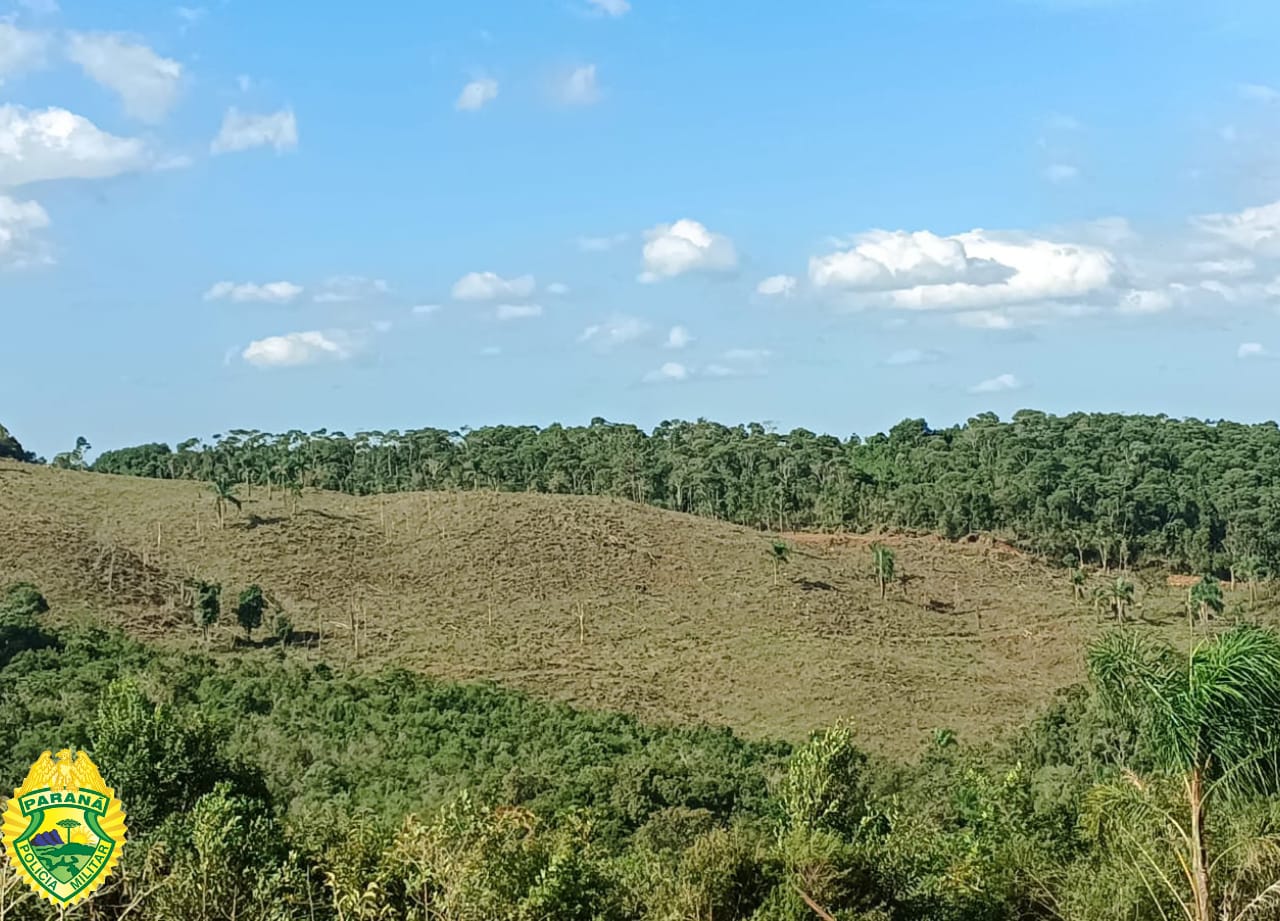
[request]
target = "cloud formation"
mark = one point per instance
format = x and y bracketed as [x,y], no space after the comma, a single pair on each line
[488,286]
[579,87]
[999,384]
[273,292]
[20,222]
[616,331]
[518,311]
[244,131]
[47,144]
[20,50]
[146,83]
[777,286]
[613,8]
[294,349]
[685,246]
[477,94]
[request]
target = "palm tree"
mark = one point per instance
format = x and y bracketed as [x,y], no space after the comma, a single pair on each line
[1117,596]
[882,562]
[224,493]
[780,553]
[1205,596]
[1208,720]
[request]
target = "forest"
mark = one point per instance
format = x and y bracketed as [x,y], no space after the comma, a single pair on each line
[268,788]
[1110,490]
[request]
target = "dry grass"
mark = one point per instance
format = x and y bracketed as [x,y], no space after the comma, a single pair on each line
[597,602]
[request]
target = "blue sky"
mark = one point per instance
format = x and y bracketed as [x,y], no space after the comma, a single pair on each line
[822,214]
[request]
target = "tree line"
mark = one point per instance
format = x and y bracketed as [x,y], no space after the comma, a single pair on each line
[1105,489]
[265,788]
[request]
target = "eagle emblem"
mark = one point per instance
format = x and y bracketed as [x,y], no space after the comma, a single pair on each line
[64,828]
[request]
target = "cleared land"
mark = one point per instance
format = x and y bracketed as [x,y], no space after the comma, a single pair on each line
[596,602]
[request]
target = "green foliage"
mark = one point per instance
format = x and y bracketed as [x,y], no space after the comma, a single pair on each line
[1205,597]
[20,604]
[249,608]
[73,459]
[825,784]
[1107,489]
[282,629]
[208,606]
[11,449]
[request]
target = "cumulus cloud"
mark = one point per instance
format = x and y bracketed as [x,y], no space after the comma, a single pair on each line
[1251,350]
[610,7]
[45,144]
[338,289]
[294,349]
[678,338]
[146,83]
[670,371]
[1255,229]
[273,292]
[477,94]
[245,130]
[20,50]
[616,331]
[777,286]
[488,286]
[685,246]
[883,260]
[518,311]
[579,87]
[602,244]
[1145,302]
[20,224]
[998,384]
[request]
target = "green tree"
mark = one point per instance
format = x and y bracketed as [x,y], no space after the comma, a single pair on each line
[1077,583]
[20,604]
[224,494]
[779,553]
[1208,721]
[208,606]
[1116,595]
[882,563]
[10,449]
[249,608]
[1204,598]
[73,459]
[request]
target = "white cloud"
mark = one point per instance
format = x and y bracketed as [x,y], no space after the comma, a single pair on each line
[477,94]
[720,371]
[685,246]
[1226,267]
[913,357]
[20,222]
[678,338]
[423,310]
[273,292]
[293,349]
[558,288]
[670,371]
[245,82]
[244,130]
[488,286]
[985,319]
[518,311]
[579,87]
[146,83]
[46,144]
[968,271]
[190,14]
[746,354]
[1251,350]
[339,289]
[1061,172]
[777,286]
[1258,92]
[1138,301]
[1254,229]
[20,50]
[999,384]
[610,7]
[601,244]
[615,331]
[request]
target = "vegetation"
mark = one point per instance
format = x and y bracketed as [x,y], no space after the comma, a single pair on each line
[249,608]
[276,790]
[1110,490]
[11,449]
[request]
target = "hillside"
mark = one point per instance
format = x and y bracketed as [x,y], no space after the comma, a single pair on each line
[598,602]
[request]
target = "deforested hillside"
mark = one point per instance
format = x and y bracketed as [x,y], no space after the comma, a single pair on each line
[600,602]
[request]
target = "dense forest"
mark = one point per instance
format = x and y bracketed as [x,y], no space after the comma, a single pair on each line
[1113,490]
[261,787]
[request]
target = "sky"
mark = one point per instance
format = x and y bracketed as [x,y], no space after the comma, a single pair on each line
[820,214]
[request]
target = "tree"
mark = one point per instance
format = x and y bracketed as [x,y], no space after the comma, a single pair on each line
[73,459]
[69,825]
[1208,721]
[1077,583]
[1205,596]
[224,494]
[20,604]
[1116,595]
[882,562]
[11,449]
[208,605]
[249,608]
[780,553]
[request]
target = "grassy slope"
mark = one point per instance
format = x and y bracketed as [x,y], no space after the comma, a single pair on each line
[596,602]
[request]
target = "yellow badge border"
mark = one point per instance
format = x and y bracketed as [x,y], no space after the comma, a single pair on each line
[68,770]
